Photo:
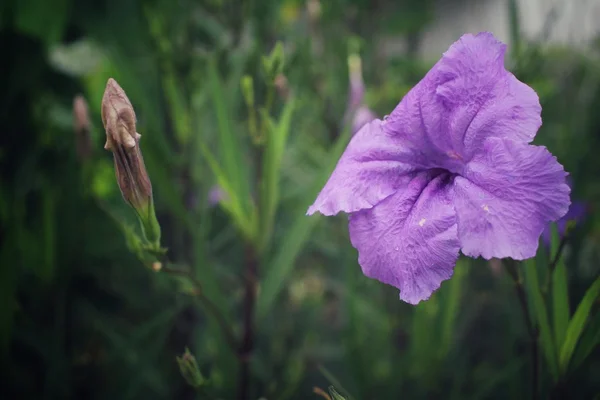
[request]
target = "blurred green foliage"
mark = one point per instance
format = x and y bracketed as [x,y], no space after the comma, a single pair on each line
[83,317]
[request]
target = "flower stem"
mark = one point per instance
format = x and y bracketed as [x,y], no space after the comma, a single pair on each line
[511,268]
[561,247]
[247,345]
[210,306]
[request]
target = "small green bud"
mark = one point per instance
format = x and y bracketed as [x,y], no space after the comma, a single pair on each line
[248,90]
[274,62]
[189,369]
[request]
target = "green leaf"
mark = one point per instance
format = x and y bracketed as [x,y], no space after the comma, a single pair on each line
[451,303]
[590,339]
[43,19]
[232,202]
[234,168]
[334,382]
[541,315]
[560,303]
[578,323]
[177,104]
[424,337]
[281,265]
[277,135]
[335,395]
[560,296]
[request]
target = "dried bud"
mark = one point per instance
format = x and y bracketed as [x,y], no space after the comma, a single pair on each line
[321,392]
[122,139]
[81,127]
[282,87]
[357,113]
[314,9]
[156,266]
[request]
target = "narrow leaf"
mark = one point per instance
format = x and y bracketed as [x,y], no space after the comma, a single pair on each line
[560,303]
[230,150]
[451,303]
[276,140]
[232,203]
[282,263]
[334,382]
[560,296]
[541,316]
[590,339]
[335,395]
[578,323]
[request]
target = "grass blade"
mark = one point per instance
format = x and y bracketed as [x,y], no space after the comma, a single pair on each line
[560,296]
[283,261]
[277,135]
[560,304]
[229,144]
[451,304]
[578,323]
[590,339]
[541,315]
[334,381]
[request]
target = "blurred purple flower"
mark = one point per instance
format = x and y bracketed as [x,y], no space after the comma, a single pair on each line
[576,213]
[362,116]
[216,194]
[450,169]
[357,112]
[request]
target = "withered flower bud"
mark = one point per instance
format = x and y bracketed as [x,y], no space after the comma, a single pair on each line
[314,9]
[123,139]
[81,127]
[282,87]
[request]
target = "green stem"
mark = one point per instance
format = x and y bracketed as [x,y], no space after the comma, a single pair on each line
[511,268]
[207,303]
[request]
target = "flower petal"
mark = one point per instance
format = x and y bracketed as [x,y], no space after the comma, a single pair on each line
[409,240]
[370,170]
[507,195]
[465,98]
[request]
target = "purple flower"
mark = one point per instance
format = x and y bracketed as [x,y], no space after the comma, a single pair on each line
[362,116]
[216,194]
[451,169]
[356,111]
